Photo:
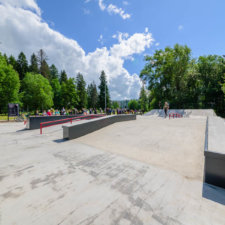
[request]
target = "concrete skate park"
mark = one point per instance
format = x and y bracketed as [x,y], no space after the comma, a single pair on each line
[143,170]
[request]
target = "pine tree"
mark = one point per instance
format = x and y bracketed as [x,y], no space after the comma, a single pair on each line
[103,90]
[44,70]
[81,91]
[12,62]
[54,72]
[22,65]
[63,76]
[92,95]
[143,100]
[33,64]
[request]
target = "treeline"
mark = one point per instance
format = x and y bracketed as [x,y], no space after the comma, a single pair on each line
[172,75]
[38,86]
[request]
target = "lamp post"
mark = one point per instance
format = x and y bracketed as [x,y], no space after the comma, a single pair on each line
[105,96]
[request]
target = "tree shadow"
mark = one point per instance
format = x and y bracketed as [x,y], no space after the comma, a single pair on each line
[213,193]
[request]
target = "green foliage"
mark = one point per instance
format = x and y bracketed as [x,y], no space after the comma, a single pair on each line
[173,76]
[103,88]
[37,92]
[9,84]
[92,95]
[54,72]
[22,65]
[69,94]
[56,87]
[63,76]
[81,91]
[133,104]
[115,105]
[143,100]
[33,64]
[12,62]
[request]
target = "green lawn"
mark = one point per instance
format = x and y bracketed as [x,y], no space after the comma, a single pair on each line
[5,117]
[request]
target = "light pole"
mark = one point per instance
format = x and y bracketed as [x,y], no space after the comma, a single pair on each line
[105,96]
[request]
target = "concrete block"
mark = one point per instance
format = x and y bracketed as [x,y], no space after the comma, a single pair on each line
[84,127]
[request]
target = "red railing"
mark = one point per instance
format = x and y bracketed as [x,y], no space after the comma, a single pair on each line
[78,118]
[176,115]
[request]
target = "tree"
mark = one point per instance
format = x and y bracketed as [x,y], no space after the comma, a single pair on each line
[44,70]
[37,92]
[133,104]
[81,91]
[33,64]
[92,95]
[56,88]
[166,73]
[211,70]
[69,94]
[102,87]
[115,105]
[12,62]
[143,100]
[22,65]
[63,76]
[9,84]
[54,72]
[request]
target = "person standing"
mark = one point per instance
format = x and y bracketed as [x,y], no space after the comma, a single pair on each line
[166,108]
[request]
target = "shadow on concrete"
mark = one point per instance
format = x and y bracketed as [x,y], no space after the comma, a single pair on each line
[21,130]
[60,140]
[213,193]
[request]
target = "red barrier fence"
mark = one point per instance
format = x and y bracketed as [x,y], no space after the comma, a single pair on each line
[176,115]
[52,123]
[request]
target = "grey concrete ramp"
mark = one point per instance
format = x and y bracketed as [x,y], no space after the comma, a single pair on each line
[215,152]
[183,112]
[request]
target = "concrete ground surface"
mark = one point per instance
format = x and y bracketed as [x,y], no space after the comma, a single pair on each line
[147,171]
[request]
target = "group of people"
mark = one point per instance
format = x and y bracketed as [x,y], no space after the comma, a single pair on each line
[63,111]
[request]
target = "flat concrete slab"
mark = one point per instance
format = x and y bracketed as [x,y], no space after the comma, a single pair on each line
[46,180]
[175,144]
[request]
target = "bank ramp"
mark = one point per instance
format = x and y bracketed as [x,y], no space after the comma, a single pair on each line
[183,112]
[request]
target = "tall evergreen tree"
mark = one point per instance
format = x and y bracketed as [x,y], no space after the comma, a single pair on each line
[81,91]
[92,95]
[22,65]
[63,76]
[143,100]
[33,64]
[44,70]
[103,92]
[12,62]
[54,72]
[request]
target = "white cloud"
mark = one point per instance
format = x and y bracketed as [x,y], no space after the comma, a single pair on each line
[101,5]
[26,4]
[24,30]
[100,40]
[157,44]
[125,3]
[120,36]
[113,9]
[180,27]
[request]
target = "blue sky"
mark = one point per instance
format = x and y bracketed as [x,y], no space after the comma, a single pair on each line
[90,35]
[199,24]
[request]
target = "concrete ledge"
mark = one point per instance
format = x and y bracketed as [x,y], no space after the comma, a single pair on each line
[82,128]
[34,121]
[214,172]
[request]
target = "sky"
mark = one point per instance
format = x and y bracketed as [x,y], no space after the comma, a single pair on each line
[89,36]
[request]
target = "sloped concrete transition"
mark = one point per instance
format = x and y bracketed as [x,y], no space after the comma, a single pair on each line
[145,171]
